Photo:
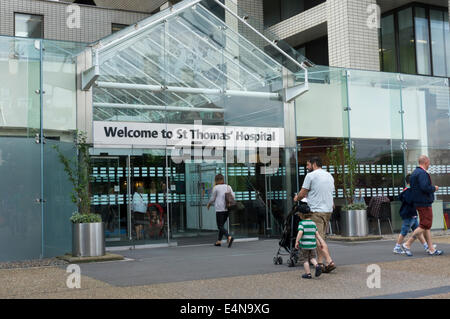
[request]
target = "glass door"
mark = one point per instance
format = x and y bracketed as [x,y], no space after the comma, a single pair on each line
[148,190]
[190,187]
[108,189]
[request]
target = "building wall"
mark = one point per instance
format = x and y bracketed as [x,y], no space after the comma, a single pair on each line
[95,22]
[352,43]
[305,21]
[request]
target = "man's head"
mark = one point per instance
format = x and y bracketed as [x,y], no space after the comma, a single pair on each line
[424,161]
[313,163]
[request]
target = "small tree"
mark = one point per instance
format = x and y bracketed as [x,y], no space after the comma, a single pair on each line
[77,170]
[343,158]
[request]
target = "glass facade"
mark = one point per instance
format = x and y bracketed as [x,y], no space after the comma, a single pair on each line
[209,71]
[37,98]
[390,119]
[415,40]
[168,75]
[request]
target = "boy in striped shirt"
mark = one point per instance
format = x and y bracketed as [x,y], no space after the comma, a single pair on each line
[306,240]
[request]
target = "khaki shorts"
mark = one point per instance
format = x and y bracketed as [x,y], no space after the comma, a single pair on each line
[306,255]
[322,220]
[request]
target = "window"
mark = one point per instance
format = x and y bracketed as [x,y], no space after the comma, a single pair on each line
[416,40]
[422,42]
[117,27]
[406,51]
[438,42]
[28,25]
[388,48]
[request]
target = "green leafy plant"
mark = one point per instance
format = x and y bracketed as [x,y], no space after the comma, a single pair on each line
[77,170]
[343,158]
[78,218]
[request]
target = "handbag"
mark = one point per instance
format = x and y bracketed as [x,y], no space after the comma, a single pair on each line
[230,202]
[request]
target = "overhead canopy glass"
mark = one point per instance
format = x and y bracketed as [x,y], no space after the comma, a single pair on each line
[182,59]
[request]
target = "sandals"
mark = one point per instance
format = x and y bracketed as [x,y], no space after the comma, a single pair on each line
[330,267]
[217,245]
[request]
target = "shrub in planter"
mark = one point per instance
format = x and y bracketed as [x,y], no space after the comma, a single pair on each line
[87,228]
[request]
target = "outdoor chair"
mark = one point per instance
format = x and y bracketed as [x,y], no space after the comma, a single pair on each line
[384,215]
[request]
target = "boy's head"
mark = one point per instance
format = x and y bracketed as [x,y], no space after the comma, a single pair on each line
[407,179]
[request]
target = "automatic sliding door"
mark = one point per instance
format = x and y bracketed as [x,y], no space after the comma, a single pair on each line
[148,186]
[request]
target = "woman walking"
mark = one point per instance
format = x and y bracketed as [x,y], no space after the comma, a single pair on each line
[218,198]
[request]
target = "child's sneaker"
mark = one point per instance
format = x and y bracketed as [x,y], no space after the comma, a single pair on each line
[307,276]
[407,251]
[398,250]
[318,271]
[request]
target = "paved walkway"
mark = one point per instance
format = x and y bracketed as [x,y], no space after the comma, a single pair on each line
[244,271]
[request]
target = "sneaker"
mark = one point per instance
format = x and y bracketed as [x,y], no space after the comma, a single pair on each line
[427,249]
[407,251]
[307,276]
[435,253]
[398,250]
[318,271]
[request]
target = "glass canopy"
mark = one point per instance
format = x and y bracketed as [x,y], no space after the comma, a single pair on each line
[182,59]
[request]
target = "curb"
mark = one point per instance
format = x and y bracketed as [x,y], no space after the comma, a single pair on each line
[354,239]
[74,260]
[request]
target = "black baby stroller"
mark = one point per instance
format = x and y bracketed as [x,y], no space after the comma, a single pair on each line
[288,237]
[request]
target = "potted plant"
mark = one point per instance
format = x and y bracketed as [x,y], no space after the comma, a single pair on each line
[88,236]
[353,215]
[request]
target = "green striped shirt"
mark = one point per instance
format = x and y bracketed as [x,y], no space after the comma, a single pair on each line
[309,228]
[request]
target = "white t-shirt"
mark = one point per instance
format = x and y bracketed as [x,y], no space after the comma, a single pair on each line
[139,205]
[320,184]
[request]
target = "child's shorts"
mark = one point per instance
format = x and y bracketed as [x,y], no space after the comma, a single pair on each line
[407,224]
[306,255]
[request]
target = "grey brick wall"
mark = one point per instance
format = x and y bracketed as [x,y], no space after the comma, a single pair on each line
[254,9]
[352,43]
[95,22]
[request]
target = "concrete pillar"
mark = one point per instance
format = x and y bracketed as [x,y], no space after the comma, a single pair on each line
[352,42]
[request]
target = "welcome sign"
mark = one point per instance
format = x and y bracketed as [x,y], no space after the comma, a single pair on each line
[159,134]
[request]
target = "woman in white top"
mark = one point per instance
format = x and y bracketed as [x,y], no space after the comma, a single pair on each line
[218,198]
[139,210]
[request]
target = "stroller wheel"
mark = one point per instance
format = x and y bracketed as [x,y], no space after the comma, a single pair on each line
[275,260]
[280,260]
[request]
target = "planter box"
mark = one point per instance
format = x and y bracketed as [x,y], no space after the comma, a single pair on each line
[354,223]
[88,240]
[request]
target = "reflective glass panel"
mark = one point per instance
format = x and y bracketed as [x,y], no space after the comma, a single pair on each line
[422,42]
